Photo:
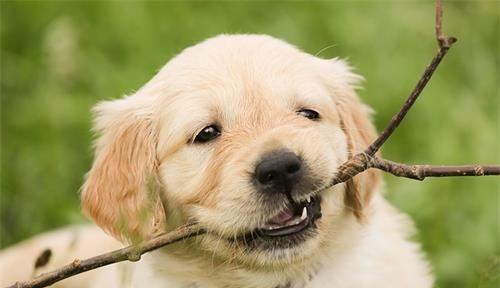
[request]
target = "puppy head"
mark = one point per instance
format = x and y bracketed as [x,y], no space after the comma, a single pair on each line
[242,134]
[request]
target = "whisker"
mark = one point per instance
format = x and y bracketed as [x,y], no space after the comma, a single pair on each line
[324,49]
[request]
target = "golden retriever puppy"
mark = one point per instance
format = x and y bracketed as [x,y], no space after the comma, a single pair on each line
[242,133]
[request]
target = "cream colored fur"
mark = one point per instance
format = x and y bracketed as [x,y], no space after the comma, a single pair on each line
[149,177]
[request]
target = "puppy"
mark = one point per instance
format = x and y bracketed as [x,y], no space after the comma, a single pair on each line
[243,134]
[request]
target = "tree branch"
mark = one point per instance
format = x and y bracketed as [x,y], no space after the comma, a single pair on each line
[396,119]
[444,44]
[443,41]
[357,164]
[131,253]
[362,161]
[420,172]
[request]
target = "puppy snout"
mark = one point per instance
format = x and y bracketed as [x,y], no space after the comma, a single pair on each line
[279,171]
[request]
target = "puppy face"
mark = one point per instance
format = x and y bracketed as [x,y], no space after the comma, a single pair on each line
[242,134]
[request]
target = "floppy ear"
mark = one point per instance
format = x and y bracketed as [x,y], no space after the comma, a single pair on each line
[355,120]
[121,193]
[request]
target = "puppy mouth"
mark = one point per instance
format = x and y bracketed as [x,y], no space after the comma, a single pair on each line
[293,219]
[291,226]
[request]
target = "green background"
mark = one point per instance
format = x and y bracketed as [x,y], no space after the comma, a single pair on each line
[60,58]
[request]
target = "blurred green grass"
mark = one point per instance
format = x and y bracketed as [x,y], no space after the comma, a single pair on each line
[60,58]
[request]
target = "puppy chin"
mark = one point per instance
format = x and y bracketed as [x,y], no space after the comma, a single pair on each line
[258,259]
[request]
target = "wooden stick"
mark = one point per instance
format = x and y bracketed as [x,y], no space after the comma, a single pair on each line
[131,253]
[420,172]
[362,161]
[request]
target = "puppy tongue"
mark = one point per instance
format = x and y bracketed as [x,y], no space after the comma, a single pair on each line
[282,217]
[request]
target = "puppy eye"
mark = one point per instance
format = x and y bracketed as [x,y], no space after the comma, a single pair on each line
[208,133]
[309,114]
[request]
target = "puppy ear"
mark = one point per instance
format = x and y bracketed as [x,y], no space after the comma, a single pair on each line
[355,120]
[121,193]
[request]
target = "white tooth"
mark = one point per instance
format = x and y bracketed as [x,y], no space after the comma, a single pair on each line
[304,214]
[270,226]
[308,199]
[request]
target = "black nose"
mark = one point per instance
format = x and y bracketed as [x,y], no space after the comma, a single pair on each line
[279,171]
